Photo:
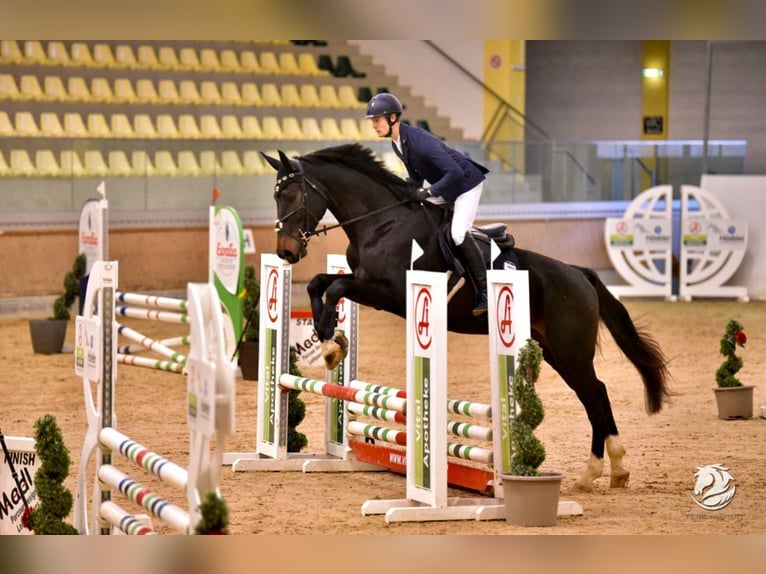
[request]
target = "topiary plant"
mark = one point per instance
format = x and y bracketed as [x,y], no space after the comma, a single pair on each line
[528,451]
[733,336]
[55,500]
[250,301]
[64,302]
[215,515]
[296,410]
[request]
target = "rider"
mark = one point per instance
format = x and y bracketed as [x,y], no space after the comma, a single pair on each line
[454,178]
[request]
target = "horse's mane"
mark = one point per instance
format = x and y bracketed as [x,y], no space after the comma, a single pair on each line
[362,160]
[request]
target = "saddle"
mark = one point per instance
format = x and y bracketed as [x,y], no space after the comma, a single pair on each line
[482,234]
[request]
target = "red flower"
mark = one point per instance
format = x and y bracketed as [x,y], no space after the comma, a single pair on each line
[740,338]
[26,518]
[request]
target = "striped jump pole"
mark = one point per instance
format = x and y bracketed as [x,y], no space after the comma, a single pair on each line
[209,413]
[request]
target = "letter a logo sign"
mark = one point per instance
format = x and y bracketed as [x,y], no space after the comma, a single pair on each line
[422,319]
[505,329]
[271,289]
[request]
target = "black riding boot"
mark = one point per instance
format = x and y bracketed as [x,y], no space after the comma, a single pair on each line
[477,271]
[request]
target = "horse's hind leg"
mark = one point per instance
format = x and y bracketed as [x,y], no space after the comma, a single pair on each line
[618,475]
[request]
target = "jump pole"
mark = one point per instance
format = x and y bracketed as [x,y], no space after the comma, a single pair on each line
[210,412]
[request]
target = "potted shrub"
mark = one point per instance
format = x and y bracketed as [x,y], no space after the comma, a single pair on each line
[48,334]
[734,400]
[248,346]
[214,515]
[531,497]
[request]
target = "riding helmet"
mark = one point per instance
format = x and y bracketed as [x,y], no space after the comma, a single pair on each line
[383,104]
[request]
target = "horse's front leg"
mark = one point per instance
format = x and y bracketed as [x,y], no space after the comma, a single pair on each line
[316,290]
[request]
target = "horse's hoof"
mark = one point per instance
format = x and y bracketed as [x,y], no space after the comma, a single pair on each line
[581,486]
[619,480]
[342,342]
[332,353]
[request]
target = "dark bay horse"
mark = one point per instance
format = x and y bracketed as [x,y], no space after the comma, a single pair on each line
[376,211]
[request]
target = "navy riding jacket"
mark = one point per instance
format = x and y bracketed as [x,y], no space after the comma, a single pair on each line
[427,158]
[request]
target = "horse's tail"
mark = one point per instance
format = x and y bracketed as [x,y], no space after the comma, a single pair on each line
[640,348]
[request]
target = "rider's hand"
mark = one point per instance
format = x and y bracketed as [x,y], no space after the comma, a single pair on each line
[422,194]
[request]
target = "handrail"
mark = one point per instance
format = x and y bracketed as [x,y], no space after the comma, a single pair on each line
[577,163]
[505,104]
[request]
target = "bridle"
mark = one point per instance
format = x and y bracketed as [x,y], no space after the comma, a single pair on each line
[299,177]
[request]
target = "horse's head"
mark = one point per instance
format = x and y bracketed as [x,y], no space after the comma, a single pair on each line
[298,209]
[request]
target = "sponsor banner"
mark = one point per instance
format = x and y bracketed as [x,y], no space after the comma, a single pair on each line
[715,234]
[25,463]
[87,348]
[637,234]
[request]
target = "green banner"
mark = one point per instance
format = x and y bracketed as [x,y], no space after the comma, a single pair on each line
[506,369]
[422,414]
[268,428]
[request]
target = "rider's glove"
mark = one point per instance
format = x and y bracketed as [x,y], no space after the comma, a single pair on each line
[422,194]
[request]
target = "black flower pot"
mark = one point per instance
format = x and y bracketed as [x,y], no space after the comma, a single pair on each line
[248,360]
[47,335]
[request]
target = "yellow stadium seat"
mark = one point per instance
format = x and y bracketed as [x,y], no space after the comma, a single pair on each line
[188,127]
[330,129]
[50,126]
[74,126]
[100,90]
[71,165]
[34,53]
[251,95]
[310,128]
[366,132]
[123,91]
[310,96]
[147,57]
[166,127]
[25,124]
[291,128]
[290,96]
[230,127]
[230,94]
[118,163]
[188,59]
[80,54]
[248,62]
[30,89]
[54,90]
[143,126]
[253,163]
[230,163]
[125,57]
[189,92]
[121,127]
[6,127]
[229,61]
[10,52]
[21,164]
[308,65]
[209,92]
[347,97]
[103,56]
[8,88]
[168,58]
[270,95]
[46,164]
[272,130]
[164,163]
[251,127]
[5,169]
[349,129]
[168,92]
[57,53]
[208,162]
[77,89]
[187,163]
[328,97]
[268,63]
[288,64]
[145,92]
[95,165]
[98,127]
[142,163]
[208,60]
[209,127]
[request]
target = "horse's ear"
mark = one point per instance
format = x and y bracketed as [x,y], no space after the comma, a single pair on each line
[285,160]
[272,161]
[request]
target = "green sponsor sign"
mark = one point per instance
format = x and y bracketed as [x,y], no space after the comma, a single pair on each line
[422,414]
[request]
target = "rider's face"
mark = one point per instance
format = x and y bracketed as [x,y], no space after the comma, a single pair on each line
[380,125]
